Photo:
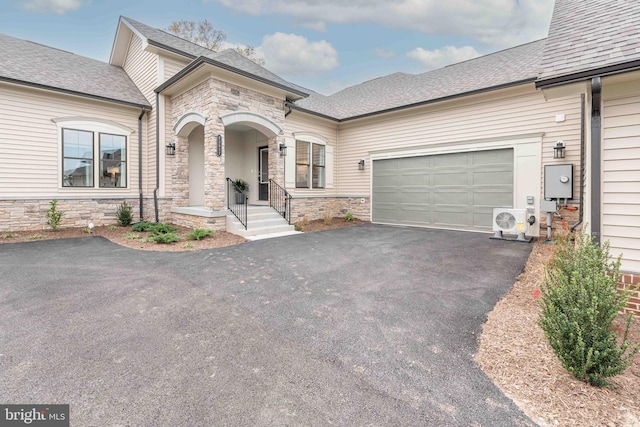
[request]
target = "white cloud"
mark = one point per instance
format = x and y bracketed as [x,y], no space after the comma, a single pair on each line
[437,58]
[52,6]
[294,55]
[496,23]
[384,54]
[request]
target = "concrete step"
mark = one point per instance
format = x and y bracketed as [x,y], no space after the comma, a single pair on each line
[263,222]
[271,236]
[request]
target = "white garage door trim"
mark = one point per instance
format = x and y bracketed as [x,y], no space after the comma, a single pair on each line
[527,166]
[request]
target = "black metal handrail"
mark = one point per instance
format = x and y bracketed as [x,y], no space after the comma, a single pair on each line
[237,203]
[280,200]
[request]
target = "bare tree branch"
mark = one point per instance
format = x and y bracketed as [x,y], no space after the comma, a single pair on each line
[203,34]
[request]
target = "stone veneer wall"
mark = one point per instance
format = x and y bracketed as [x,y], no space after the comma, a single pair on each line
[23,215]
[316,207]
[214,98]
[193,221]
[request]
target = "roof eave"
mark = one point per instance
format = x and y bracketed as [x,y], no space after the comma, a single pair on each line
[296,107]
[622,67]
[170,49]
[146,107]
[203,60]
[421,103]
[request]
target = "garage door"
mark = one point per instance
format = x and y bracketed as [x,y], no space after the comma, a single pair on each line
[456,191]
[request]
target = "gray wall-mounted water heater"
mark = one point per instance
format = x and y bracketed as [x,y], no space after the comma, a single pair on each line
[558,182]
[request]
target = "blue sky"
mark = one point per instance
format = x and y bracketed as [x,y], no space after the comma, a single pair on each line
[324,45]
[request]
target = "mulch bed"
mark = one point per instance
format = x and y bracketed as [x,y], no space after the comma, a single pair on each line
[515,354]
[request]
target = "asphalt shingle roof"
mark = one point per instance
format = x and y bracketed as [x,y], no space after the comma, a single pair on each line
[228,57]
[397,90]
[590,34]
[31,63]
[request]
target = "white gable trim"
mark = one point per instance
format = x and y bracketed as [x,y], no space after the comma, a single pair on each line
[310,137]
[256,121]
[78,122]
[187,123]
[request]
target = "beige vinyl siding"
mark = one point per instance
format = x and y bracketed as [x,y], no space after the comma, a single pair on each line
[30,165]
[142,68]
[172,66]
[495,115]
[298,122]
[621,176]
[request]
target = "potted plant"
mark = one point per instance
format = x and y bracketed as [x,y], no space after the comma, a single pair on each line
[240,186]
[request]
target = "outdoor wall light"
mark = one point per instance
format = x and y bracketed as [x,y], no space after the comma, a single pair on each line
[558,150]
[361,165]
[283,150]
[170,149]
[219,145]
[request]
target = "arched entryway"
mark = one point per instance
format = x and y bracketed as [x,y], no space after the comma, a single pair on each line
[251,152]
[190,128]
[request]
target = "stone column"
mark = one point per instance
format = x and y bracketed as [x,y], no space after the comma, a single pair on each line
[214,166]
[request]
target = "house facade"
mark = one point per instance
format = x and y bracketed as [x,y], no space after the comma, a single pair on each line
[166,124]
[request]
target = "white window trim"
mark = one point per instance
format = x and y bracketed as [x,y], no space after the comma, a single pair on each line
[310,137]
[97,126]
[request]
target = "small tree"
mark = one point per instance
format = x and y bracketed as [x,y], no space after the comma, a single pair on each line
[580,303]
[54,216]
[124,214]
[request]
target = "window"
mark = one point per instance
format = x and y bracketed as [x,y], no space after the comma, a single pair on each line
[78,159]
[113,165]
[310,165]
[317,172]
[77,153]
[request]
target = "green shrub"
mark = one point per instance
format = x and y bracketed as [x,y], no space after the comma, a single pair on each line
[124,214]
[580,303]
[162,229]
[199,234]
[165,238]
[142,226]
[348,217]
[54,216]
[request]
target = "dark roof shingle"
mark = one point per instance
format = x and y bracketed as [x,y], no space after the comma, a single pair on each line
[587,35]
[399,90]
[33,64]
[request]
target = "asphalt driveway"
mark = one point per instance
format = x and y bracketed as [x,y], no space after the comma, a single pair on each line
[367,325]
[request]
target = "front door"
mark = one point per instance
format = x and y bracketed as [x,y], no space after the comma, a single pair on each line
[263,173]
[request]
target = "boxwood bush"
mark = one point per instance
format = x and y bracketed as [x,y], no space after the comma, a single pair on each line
[580,302]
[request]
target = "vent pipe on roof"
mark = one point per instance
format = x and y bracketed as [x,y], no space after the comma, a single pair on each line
[596,156]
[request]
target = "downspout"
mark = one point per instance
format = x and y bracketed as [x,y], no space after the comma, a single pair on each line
[155,191]
[596,157]
[582,163]
[140,164]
